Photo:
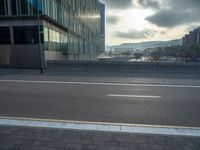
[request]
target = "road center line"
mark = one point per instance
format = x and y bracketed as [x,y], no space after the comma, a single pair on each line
[134,96]
[101,126]
[102,83]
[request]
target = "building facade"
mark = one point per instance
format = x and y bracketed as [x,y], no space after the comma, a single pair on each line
[102,27]
[35,31]
[192,38]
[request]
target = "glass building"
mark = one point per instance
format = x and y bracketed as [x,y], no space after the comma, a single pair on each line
[64,30]
[102,27]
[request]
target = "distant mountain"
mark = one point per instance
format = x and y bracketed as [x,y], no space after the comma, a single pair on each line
[144,45]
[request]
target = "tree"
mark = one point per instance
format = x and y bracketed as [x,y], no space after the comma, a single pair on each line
[191,52]
[127,53]
[110,53]
[157,54]
[138,56]
[195,49]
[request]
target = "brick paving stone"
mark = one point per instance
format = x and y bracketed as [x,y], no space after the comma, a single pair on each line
[26,138]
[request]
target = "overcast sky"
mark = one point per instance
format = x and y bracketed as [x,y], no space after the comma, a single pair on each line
[148,20]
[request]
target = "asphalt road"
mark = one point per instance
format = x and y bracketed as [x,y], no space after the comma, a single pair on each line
[146,103]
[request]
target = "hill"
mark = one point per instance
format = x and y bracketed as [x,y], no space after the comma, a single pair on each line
[144,45]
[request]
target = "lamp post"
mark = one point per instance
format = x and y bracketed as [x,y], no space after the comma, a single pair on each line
[39,37]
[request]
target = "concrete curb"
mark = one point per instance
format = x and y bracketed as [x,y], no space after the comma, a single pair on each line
[101,126]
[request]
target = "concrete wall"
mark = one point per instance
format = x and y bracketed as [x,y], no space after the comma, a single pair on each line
[51,55]
[137,67]
[82,57]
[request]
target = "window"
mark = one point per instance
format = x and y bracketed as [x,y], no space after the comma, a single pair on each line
[24,7]
[46,38]
[37,4]
[2,7]
[5,35]
[26,35]
[14,7]
[30,7]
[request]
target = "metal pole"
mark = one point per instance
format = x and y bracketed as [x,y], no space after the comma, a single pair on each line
[39,38]
[198,36]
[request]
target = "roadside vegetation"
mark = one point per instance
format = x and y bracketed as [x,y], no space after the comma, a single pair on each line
[189,53]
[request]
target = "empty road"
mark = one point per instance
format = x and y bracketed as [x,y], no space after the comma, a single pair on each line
[113,102]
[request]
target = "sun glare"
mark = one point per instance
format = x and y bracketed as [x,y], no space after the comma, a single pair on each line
[135,19]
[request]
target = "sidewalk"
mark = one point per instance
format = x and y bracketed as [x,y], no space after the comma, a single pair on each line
[28,138]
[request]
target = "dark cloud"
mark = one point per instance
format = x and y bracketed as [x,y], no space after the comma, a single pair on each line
[172,18]
[112,19]
[149,4]
[185,4]
[176,13]
[135,34]
[119,4]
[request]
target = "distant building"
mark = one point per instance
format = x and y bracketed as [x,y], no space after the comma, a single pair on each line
[102,27]
[65,30]
[192,37]
[186,40]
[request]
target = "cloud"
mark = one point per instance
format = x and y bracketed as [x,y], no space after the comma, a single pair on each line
[112,19]
[176,13]
[185,4]
[192,27]
[172,18]
[149,3]
[135,34]
[163,32]
[119,4]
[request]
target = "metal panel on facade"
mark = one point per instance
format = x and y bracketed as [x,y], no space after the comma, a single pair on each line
[20,56]
[5,55]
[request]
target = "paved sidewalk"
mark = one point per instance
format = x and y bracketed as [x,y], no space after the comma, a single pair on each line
[26,138]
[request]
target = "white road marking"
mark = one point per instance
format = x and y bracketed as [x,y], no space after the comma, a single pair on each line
[100,126]
[135,96]
[102,83]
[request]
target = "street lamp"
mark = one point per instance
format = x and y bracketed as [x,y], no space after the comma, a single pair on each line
[39,37]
